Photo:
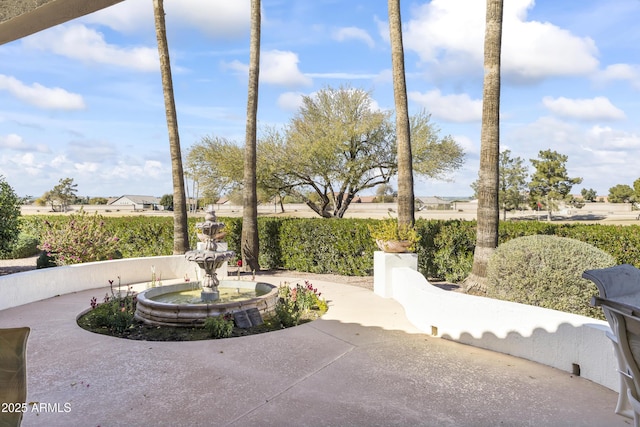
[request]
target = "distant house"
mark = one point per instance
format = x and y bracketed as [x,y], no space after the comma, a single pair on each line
[433,203]
[138,202]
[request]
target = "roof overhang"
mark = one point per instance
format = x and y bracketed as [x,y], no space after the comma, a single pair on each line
[20,18]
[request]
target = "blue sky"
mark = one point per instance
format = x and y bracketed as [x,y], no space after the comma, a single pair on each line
[84,99]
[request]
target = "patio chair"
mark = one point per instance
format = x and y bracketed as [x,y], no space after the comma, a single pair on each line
[625,323]
[13,373]
[620,283]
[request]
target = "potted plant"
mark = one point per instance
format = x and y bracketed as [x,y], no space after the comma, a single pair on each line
[392,237]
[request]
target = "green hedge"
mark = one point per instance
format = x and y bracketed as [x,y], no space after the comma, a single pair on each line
[344,246]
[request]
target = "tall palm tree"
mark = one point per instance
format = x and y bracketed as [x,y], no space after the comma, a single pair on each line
[488,209]
[406,197]
[180,229]
[250,244]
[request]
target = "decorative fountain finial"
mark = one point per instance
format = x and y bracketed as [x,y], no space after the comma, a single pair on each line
[209,258]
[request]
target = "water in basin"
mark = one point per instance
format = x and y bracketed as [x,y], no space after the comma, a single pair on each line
[193,296]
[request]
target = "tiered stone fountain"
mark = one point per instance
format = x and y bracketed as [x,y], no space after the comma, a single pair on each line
[175,305]
[209,258]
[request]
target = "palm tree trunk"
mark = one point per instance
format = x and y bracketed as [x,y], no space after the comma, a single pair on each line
[180,231]
[406,197]
[488,209]
[250,244]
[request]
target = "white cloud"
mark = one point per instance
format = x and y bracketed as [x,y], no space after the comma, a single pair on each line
[216,18]
[454,108]
[449,35]
[623,72]
[87,45]
[598,108]
[41,96]
[598,154]
[606,138]
[344,76]
[86,167]
[13,142]
[353,33]
[281,68]
[276,67]
[290,101]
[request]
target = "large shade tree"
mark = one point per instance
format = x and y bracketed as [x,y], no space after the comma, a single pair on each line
[180,227]
[488,211]
[250,243]
[406,196]
[336,146]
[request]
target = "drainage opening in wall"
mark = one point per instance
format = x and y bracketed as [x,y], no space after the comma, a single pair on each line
[575,369]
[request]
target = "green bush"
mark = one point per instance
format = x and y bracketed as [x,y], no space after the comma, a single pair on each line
[25,246]
[344,246]
[9,217]
[338,246]
[453,255]
[115,314]
[546,271]
[219,326]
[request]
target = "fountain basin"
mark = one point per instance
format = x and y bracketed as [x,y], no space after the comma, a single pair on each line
[160,313]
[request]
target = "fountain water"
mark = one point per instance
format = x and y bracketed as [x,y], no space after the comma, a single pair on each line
[163,306]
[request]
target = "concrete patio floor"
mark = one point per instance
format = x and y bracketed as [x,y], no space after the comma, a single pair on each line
[362,364]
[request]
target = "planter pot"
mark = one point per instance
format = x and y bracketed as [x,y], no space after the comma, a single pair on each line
[394,246]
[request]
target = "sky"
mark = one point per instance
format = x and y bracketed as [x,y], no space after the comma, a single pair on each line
[84,99]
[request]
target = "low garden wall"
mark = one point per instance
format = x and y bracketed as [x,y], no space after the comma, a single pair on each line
[30,286]
[565,341]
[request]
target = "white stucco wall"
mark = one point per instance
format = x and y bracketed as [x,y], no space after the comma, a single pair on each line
[561,340]
[36,285]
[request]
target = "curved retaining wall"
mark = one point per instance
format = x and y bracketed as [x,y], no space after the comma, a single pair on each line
[36,285]
[564,341]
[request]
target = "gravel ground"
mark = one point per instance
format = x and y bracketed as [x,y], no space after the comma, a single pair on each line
[9,266]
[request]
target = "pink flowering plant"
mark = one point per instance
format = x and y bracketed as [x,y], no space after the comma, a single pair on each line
[83,238]
[295,304]
[115,315]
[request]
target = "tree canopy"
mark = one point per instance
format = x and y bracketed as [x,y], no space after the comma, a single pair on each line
[621,193]
[64,194]
[337,145]
[550,183]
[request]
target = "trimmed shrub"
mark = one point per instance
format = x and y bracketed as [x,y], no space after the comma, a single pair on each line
[546,271]
[25,246]
[454,245]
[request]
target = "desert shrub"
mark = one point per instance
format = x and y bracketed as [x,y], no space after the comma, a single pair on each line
[546,271]
[219,326]
[25,246]
[83,238]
